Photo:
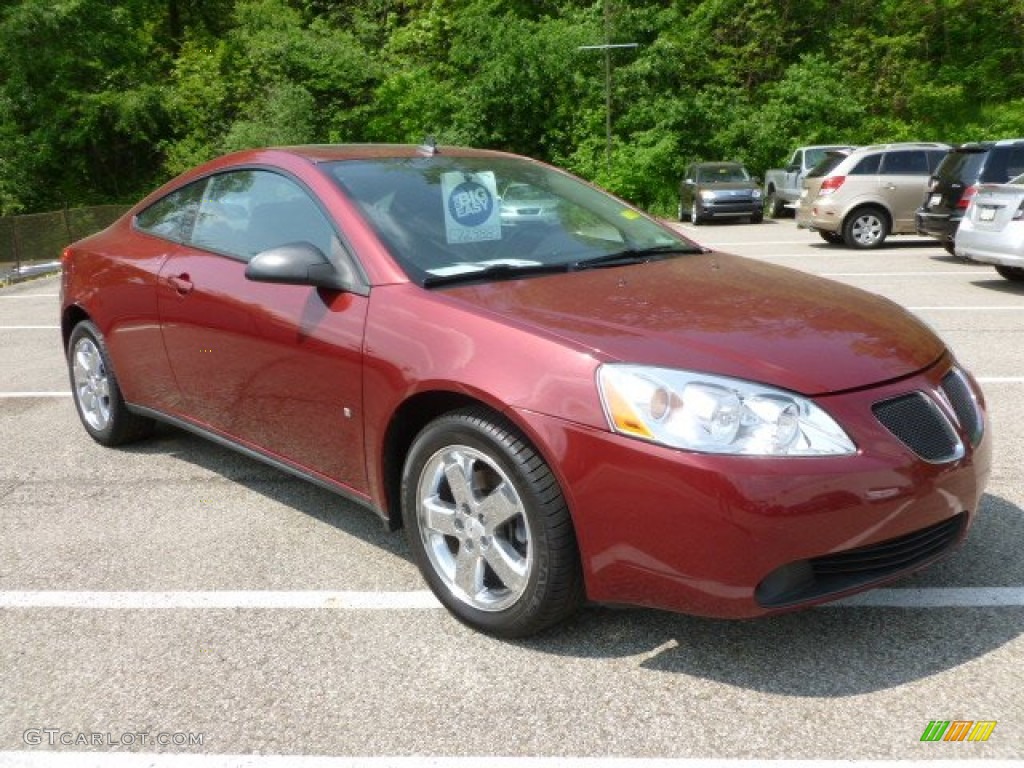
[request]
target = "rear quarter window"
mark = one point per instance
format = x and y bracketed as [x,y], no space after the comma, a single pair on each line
[1004,163]
[866,166]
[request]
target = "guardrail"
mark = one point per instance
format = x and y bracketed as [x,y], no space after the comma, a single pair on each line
[31,244]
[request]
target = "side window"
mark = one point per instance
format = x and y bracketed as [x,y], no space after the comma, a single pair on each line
[172,217]
[867,166]
[246,212]
[935,158]
[908,162]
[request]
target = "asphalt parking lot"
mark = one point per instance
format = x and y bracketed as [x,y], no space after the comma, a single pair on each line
[175,589]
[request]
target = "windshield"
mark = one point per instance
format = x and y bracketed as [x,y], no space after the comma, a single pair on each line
[721,173]
[442,217]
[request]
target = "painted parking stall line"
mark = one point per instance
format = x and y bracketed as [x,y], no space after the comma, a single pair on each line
[39,759]
[30,395]
[925,597]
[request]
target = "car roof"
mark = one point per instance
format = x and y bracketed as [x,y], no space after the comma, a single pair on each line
[718,164]
[900,145]
[984,146]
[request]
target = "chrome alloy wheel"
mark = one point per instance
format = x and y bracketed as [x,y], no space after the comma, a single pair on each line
[92,383]
[867,229]
[474,528]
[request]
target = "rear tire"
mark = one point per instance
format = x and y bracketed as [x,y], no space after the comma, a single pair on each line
[97,396]
[866,228]
[488,525]
[773,205]
[1016,274]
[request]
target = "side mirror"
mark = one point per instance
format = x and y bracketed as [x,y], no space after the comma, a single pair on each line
[299,263]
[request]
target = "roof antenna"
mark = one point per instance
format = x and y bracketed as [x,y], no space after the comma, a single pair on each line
[429,146]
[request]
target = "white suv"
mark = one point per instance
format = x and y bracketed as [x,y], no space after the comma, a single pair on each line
[862,197]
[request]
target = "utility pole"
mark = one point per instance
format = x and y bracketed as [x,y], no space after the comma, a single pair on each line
[607,48]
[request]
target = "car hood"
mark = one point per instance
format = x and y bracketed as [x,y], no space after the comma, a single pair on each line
[722,314]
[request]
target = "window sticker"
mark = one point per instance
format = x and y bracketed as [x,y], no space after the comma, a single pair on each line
[471,213]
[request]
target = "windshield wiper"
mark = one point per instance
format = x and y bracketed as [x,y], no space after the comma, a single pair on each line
[495,272]
[635,256]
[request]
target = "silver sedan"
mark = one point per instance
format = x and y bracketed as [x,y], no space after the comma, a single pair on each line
[992,230]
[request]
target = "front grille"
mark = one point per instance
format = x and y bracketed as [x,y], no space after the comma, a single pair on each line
[917,422]
[842,571]
[958,392]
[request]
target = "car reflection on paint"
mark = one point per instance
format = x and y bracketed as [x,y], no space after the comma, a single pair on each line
[582,406]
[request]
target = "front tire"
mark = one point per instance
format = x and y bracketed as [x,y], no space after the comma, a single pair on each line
[695,217]
[97,396]
[488,525]
[866,228]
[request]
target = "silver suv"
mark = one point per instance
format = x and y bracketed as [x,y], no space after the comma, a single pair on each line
[861,197]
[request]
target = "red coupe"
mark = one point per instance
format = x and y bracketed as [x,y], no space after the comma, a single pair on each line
[570,404]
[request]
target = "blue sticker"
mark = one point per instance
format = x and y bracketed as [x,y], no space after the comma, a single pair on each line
[470,204]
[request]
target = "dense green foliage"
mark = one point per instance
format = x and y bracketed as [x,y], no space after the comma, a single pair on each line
[101,101]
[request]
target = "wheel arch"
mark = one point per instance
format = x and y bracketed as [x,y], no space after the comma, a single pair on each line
[863,205]
[407,420]
[70,317]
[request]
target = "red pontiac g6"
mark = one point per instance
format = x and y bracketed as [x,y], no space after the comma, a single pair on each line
[558,398]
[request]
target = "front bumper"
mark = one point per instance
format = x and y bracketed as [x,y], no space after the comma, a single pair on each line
[735,537]
[724,209]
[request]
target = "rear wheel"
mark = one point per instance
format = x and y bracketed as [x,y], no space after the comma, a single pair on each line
[866,228]
[97,395]
[1011,273]
[488,525]
[773,205]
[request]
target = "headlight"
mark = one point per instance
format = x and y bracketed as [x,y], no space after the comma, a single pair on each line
[707,194]
[716,414]
[756,194]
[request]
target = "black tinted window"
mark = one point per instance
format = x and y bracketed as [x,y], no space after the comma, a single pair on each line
[906,162]
[246,212]
[824,166]
[172,217]
[961,166]
[1003,164]
[867,166]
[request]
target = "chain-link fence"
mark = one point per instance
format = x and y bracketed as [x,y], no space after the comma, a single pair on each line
[32,244]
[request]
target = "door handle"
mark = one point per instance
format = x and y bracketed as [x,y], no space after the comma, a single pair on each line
[181,283]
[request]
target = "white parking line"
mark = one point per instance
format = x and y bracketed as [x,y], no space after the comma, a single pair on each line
[943,273]
[38,759]
[19,395]
[1018,308]
[924,597]
[302,600]
[29,327]
[31,296]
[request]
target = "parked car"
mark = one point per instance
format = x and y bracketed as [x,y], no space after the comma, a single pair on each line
[992,229]
[585,407]
[956,181]
[782,186]
[525,203]
[719,191]
[863,197]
